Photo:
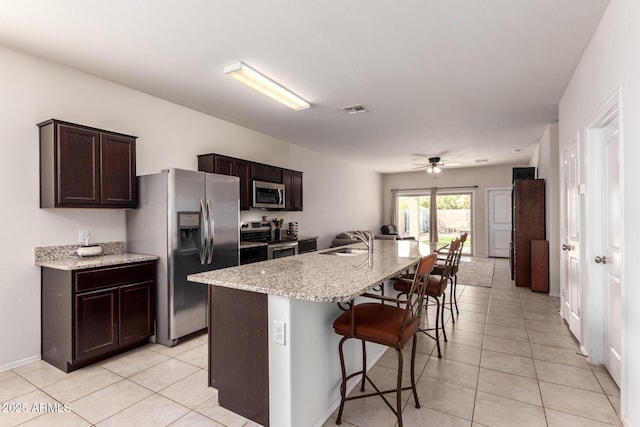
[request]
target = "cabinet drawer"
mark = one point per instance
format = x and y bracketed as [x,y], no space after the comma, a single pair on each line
[113,276]
[251,255]
[307,246]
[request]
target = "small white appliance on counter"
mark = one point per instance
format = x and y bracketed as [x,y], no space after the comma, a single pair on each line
[89,250]
[191,221]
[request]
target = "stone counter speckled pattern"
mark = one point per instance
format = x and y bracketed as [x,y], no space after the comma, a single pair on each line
[93,262]
[318,277]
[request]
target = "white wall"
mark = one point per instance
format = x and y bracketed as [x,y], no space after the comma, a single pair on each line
[611,62]
[337,195]
[484,177]
[546,160]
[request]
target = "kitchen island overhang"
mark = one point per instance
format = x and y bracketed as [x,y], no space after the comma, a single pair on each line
[295,384]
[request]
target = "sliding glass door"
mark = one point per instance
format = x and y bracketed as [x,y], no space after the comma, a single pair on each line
[454,217]
[413,217]
[417,216]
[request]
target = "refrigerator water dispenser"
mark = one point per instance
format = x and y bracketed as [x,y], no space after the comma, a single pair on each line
[189,232]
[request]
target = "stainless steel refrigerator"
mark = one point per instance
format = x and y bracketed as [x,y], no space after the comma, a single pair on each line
[191,221]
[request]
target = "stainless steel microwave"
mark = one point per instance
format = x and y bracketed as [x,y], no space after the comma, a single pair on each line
[268,195]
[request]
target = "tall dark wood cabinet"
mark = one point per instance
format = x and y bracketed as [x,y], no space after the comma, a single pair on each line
[215,163]
[84,167]
[528,224]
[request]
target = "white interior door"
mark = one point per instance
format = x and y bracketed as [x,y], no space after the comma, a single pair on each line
[612,244]
[499,219]
[570,229]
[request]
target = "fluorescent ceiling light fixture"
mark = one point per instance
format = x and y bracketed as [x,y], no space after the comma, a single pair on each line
[252,78]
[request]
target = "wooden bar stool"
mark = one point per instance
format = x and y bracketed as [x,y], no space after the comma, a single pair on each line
[391,325]
[436,286]
[453,276]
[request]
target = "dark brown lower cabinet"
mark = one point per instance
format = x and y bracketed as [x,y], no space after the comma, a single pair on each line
[253,254]
[239,351]
[89,315]
[96,323]
[307,245]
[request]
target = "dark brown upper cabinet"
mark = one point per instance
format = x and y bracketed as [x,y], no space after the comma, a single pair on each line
[84,167]
[248,171]
[261,172]
[292,181]
[224,165]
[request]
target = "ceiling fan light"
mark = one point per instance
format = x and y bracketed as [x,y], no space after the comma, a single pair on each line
[255,80]
[437,169]
[430,169]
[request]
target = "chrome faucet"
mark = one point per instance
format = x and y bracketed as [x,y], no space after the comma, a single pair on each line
[366,238]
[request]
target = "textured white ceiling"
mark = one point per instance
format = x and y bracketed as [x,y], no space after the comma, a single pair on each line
[465,79]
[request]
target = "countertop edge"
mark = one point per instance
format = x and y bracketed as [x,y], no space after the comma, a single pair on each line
[70,264]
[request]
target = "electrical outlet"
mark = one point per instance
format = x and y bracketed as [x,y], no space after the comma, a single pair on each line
[83,237]
[279,332]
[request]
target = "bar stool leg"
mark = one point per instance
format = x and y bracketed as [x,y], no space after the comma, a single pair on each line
[451,300]
[438,326]
[364,364]
[399,389]
[413,369]
[343,384]
[455,292]
[444,299]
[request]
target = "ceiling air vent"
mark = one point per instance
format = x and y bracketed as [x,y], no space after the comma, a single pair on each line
[354,109]
[482,160]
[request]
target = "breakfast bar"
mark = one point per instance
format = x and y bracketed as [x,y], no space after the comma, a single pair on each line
[272,351]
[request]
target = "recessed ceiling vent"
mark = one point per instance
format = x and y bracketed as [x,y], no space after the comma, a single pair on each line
[354,109]
[482,160]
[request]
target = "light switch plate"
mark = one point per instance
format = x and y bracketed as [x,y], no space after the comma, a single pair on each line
[279,332]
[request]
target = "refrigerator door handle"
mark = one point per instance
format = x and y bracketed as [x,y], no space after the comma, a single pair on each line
[212,231]
[204,233]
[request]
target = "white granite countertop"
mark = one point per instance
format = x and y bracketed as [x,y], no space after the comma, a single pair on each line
[94,261]
[317,277]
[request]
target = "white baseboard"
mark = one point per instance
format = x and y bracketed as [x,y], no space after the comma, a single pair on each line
[18,363]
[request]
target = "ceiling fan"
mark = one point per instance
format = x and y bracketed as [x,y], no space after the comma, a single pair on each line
[434,165]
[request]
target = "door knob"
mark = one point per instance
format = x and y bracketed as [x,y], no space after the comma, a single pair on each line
[601,260]
[565,247]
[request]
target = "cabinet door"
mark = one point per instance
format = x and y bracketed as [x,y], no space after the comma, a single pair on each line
[267,173]
[223,165]
[307,246]
[292,181]
[206,163]
[78,168]
[242,169]
[251,255]
[136,312]
[96,323]
[118,170]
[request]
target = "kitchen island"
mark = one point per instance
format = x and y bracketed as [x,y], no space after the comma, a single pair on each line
[273,355]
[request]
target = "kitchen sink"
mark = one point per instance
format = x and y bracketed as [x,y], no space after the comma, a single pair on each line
[347,251]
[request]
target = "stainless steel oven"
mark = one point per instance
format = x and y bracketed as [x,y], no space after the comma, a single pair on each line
[282,249]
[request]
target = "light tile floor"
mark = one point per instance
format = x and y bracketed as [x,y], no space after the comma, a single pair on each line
[510,361]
